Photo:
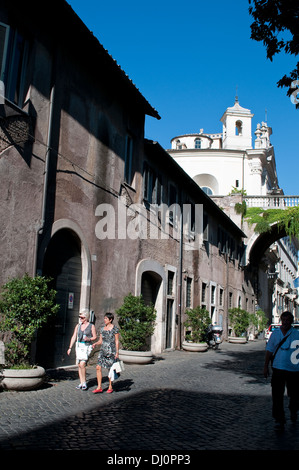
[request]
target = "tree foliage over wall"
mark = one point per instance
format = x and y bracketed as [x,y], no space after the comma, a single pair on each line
[287,219]
[276,24]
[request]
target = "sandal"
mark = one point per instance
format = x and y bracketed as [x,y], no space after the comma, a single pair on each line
[110,390]
[97,390]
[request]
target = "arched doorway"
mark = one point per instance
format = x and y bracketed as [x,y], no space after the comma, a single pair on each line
[150,288]
[62,262]
[151,283]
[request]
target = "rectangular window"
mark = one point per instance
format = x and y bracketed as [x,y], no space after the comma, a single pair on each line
[4,34]
[222,241]
[129,160]
[205,227]
[230,300]
[242,254]
[212,312]
[189,292]
[13,62]
[197,143]
[152,186]
[170,283]
[203,292]
[189,214]
[147,183]
[213,291]
[157,190]
[221,297]
[172,199]
[231,247]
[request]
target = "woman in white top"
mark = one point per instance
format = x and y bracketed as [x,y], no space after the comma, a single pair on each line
[84,333]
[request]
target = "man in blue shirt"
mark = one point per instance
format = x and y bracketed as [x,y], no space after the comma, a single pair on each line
[282,350]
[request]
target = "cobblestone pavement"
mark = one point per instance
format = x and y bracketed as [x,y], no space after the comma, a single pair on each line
[184,401]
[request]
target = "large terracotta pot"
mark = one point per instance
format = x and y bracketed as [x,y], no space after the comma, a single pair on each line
[136,357]
[195,347]
[23,379]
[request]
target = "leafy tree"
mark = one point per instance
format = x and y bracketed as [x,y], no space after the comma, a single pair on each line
[276,24]
[259,320]
[25,305]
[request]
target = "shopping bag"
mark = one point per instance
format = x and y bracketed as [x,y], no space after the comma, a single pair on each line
[83,351]
[119,366]
[113,375]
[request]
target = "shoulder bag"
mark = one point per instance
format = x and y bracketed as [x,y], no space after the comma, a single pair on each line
[83,350]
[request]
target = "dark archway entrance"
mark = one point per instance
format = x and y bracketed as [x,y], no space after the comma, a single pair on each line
[62,262]
[150,284]
[263,242]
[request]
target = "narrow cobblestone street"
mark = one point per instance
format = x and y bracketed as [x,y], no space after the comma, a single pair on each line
[217,400]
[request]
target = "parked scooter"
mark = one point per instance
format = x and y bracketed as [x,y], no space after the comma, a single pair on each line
[213,336]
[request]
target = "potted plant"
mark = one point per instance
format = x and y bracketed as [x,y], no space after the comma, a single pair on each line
[239,321]
[25,305]
[136,323]
[258,323]
[196,325]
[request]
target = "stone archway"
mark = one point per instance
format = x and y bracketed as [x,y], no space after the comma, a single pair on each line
[66,260]
[260,242]
[151,282]
[62,262]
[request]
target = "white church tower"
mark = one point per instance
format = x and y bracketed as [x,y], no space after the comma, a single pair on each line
[220,162]
[237,127]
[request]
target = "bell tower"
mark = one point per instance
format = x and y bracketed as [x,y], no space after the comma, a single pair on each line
[236,123]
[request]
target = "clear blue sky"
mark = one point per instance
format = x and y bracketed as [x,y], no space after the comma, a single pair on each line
[187,58]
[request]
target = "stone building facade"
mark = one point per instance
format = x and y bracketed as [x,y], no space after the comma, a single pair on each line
[87,200]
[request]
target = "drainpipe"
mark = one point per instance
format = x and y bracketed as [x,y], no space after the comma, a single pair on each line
[40,228]
[243,163]
[180,285]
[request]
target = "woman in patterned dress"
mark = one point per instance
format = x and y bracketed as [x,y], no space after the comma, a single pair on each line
[109,340]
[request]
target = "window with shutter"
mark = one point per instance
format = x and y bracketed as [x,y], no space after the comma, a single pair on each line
[13,61]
